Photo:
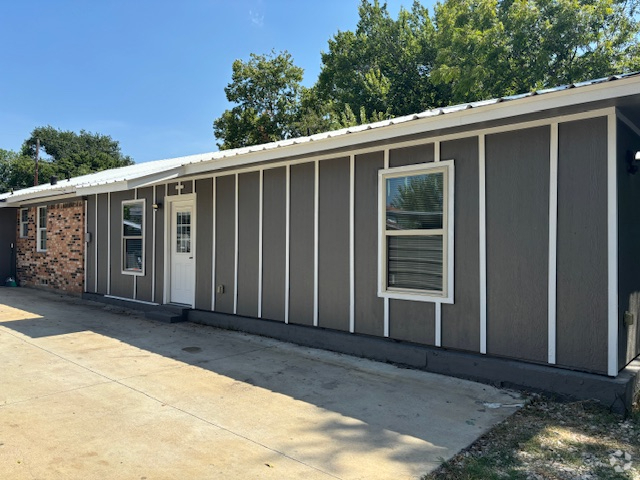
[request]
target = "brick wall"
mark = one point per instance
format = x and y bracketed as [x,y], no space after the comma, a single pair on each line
[61,267]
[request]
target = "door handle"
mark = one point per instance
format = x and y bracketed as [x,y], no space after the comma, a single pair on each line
[190,258]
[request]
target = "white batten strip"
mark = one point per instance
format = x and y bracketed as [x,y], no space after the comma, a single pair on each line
[483,243]
[612,241]
[135,277]
[438,305]
[380,266]
[86,245]
[316,210]
[553,242]
[235,273]
[352,246]
[167,245]
[213,246]
[108,243]
[95,247]
[260,225]
[154,213]
[287,242]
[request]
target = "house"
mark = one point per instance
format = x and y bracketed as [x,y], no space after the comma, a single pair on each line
[493,240]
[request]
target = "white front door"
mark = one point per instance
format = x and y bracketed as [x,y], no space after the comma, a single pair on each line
[183,264]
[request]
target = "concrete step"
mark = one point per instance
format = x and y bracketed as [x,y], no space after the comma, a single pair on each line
[168,314]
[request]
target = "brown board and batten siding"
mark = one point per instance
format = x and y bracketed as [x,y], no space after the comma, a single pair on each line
[101,241]
[274,244]
[628,241]
[90,274]
[333,244]
[517,192]
[121,284]
[143,282]
[409,320]
[369,308]
[225,243]
[301,277]
[248,243]
[582,287]
[460,320]
[159,243]
[204,242]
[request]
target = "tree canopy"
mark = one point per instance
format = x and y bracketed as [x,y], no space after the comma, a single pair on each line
[63,153]
[467,50]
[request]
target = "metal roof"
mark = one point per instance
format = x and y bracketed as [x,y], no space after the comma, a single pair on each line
[163,170]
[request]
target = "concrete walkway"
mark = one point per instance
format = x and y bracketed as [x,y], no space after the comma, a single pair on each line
[89,392]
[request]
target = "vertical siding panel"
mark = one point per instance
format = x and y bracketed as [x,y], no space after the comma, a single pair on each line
[160,238]
[333,245]
[408,320]
[460,320]
[628,240]
[143,287]
[121,285]
[517,176]
[582,305]
[274,244]
[90,273]
[204,242]
[301,264]
[225,242]
[103,252]
[248,243]
[369,308]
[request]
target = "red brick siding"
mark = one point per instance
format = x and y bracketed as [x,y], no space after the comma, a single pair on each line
[61,267]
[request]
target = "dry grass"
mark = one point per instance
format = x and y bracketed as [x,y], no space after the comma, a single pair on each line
[550,440]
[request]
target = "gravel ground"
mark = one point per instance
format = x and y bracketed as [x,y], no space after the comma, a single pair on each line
[551,440]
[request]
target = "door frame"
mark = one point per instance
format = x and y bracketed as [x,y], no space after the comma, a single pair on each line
[168,223]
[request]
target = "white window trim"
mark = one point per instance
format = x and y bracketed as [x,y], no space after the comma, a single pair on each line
[446,296]
[137,273]
[40,229]
[23,223]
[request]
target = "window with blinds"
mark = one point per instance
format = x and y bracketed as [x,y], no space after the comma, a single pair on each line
[416,227]
[133,236]
[41,227]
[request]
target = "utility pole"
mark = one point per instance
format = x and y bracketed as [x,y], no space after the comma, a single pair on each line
[35,176]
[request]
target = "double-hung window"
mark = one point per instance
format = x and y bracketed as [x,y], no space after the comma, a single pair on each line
[416,232]
[41,229]
[133,237]
[24,222]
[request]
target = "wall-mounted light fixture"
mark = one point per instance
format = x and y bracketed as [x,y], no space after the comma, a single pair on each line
[156,206]
[632,158]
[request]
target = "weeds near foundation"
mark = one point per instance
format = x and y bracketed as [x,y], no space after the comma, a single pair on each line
[551,440]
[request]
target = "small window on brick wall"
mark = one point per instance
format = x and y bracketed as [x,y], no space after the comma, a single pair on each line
[24,222]
[41,237]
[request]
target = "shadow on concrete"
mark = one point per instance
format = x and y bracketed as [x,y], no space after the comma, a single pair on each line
[411,417]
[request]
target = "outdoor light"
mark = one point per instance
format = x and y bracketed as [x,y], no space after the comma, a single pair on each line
[632,158]
[156,206]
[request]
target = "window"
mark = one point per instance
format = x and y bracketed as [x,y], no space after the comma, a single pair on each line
[416,232]
[133,237]
[24,222]
[41,234]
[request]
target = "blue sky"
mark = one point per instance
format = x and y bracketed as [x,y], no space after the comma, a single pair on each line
[149,73]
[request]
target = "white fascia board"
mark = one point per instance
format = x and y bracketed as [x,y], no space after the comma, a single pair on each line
[39,196]
[154,178]
[467,117]
[102,188]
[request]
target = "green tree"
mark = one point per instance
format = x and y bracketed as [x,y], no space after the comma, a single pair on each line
[73,153]
[266,90]
[17,171]
[489,49]
[383,67]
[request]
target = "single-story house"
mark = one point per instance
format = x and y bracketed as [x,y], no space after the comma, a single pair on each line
[495,240]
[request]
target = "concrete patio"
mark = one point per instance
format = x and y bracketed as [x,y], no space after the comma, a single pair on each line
[92,392]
